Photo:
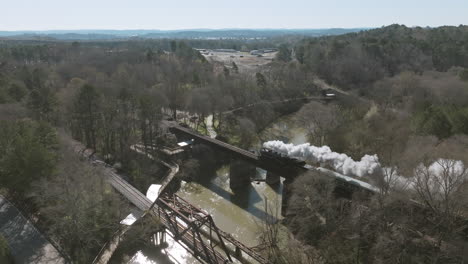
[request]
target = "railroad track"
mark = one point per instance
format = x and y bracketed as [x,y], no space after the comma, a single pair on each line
[242,152]
[189,240]
[183,204]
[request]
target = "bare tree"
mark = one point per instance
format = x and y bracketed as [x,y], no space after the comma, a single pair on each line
[247,132]
[319,120]
[269,228]
[438,186]
[280,246]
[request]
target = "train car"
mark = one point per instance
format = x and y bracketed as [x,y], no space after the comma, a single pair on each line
[269,154]
[329,94]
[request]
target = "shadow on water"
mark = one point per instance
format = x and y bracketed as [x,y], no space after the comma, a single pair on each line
[156,254]
[277,188]
[261,175]
[244,198]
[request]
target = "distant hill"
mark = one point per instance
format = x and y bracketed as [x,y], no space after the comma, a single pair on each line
[359,59]
[185,34]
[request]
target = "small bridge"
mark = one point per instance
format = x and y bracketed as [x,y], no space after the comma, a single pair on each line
[281,101]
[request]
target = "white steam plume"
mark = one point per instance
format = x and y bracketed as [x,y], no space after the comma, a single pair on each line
[434,177]
[342,163]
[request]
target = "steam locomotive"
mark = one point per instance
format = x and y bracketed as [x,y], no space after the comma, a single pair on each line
[270,155]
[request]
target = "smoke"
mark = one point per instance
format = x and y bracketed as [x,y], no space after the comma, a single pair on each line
[342,163]
[433,177]
[441,176]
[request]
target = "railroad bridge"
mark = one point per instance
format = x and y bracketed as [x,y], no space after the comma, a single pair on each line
[243,164]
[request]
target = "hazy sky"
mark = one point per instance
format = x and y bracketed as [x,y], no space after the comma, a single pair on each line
[183,14]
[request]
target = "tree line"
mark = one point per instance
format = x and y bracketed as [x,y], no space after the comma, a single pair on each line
[356,60]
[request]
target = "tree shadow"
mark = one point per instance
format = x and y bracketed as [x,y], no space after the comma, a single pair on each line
[244,198]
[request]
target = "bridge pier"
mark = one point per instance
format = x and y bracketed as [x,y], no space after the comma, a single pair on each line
[285,196]
[238,253]
[240,173]
[272,178]
[159,238]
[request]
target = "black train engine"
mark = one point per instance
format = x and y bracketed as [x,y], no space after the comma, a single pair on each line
[267,154]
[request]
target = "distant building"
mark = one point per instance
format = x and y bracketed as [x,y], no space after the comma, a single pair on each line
[269,50]
[328,93]
[262,51]
[256,52]
[225,50]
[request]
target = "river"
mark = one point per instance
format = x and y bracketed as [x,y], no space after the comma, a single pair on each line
[236,213]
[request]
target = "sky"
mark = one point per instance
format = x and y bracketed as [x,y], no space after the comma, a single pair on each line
[189,14]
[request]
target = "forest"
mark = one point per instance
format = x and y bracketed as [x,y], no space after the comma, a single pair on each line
[402,94]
